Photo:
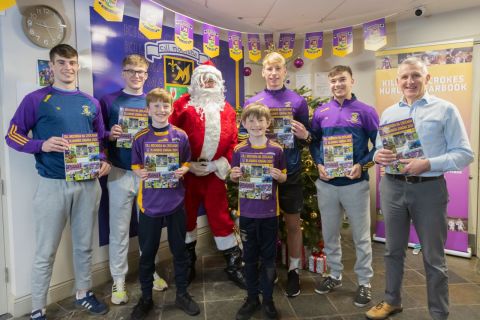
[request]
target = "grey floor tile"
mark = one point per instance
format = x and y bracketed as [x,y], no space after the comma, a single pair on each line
[312,305]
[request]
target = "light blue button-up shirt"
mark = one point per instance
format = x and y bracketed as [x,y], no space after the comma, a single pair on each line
[440,129]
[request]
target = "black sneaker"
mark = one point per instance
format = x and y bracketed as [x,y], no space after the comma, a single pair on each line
[187,304]
[269,310]
[363,296]
[328,285]
[141,310]
[247,310]
[293,284]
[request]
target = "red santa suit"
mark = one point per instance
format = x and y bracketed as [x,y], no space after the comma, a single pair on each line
[212,138]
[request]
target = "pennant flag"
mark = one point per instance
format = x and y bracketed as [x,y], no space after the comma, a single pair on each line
[269,44]
[110,10]
[6,4]
[235,45]
[342,41]
[285,44]
[254,52]
[211,40]
[183,32]
[374,34]
[151,19]
[313,45]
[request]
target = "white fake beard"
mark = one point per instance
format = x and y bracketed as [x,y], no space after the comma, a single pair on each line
[207,100]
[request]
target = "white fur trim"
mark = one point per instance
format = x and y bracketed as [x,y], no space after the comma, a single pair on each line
[207,69]
[212,135]
[224,243]
[191,236]
[222,167]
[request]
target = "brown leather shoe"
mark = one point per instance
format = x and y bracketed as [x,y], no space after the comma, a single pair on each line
[382,311]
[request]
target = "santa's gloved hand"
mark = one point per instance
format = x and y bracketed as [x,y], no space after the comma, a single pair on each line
[202,168]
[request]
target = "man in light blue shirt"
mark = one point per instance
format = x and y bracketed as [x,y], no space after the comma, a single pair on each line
[419,193]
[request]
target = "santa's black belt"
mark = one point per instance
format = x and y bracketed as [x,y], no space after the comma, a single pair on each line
[413,179]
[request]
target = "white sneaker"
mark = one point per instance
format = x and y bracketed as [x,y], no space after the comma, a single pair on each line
[119,293]
[158,283]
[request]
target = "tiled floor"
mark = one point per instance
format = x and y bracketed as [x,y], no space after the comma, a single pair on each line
[219,299]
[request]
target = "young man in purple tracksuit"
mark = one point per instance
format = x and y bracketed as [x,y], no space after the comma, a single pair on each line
[344,115]
[50,112]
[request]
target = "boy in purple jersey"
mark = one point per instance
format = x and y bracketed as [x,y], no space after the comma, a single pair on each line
[259,210]
[277,97]
[49,113]
[345,115]
[122,182]
[161,206]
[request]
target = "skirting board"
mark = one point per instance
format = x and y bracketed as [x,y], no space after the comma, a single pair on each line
[100,274]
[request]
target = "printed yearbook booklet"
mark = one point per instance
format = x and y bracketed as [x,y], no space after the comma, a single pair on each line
[131,120]
[82,159]
[338,155]
[402,138]
[161,161]
[256,180]
[282,126]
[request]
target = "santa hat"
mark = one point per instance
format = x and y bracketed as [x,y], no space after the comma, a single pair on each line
[207,67]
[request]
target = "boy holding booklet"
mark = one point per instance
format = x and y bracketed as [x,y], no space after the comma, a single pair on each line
[258,164]
[161,203]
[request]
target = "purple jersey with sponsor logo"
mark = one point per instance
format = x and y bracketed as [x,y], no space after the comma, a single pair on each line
[152,201]
[52,112]
[353,117]
[255,205]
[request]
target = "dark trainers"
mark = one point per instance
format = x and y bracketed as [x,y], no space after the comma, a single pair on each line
[269,310]
[141,309]
[328,285]
[187,304]
[363,296]
[91,304]
[38,315]
[248,309]
[293,284]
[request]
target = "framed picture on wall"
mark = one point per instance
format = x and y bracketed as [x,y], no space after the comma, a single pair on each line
[44,74]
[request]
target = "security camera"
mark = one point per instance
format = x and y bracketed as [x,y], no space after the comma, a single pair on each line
[419,11]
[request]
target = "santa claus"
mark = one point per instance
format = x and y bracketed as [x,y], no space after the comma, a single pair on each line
[209,122]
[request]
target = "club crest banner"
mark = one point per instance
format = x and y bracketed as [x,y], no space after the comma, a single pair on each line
[183,32]
[110,10]
[254,52]
[269,44]
[170,68]
[342,41]
[286,43]
[313,45]
[211,39]
[235,46]
[151,20]
[374,34]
